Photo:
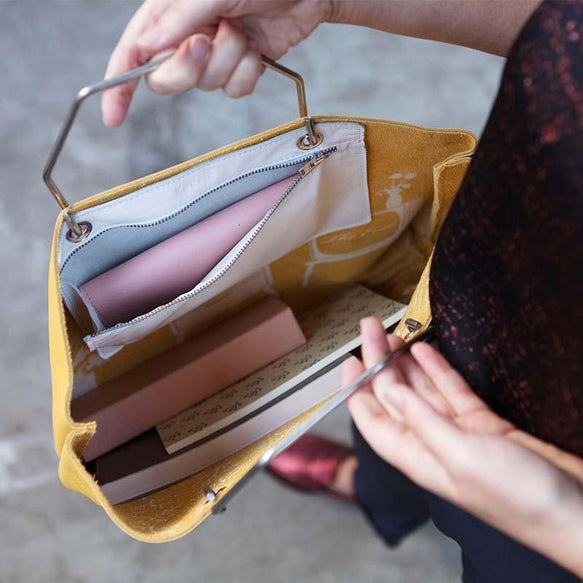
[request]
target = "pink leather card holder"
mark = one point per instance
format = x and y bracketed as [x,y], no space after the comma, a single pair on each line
[171,268]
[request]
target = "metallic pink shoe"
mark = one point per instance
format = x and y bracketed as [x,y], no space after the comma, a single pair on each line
[310,464]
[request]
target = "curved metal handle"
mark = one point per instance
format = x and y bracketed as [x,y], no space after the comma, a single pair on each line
[341,396]
[79,231]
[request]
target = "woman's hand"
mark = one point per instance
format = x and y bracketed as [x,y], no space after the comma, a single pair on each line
[421,416]
[218,44]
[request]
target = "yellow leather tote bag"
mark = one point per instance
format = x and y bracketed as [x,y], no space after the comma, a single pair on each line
[375,194]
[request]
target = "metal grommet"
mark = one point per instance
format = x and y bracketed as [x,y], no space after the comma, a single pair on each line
[304,142]
[412,327]
[209,494]
[83,231]
[312,138]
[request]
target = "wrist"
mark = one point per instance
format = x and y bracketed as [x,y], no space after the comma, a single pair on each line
[486,26]
[350,12]
[568,528]
[555,527]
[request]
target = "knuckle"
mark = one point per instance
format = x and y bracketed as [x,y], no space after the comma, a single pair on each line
[242,87]
[212,81]
[157,87]
[234,91]
[163,86]
[232,36]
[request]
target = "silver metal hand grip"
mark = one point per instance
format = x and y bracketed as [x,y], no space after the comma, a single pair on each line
[79,231]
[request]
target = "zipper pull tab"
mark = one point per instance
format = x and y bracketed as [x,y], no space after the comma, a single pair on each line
[316,160]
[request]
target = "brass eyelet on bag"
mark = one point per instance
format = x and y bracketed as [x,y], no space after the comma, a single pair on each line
[82,231]
[312,138]
[304,142]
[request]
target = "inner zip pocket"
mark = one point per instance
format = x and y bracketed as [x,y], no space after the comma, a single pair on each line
[327,197]
[133,292]
[115,244]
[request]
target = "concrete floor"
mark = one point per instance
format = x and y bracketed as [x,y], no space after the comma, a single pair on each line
[52,48]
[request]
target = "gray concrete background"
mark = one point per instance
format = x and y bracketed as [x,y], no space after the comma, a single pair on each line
[49,50]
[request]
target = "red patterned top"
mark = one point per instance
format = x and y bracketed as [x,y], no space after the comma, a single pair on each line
[507,278]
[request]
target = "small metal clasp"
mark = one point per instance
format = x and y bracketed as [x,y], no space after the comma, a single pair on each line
[412,326]
[211,495]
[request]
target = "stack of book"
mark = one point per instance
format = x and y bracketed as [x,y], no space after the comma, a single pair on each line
[226,414]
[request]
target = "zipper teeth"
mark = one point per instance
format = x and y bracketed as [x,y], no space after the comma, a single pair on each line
[224,185]
[173,215]
[287,164]
[240,251]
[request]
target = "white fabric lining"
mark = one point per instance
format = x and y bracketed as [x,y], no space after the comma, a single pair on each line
[333,196]
[158,200]
[118,243]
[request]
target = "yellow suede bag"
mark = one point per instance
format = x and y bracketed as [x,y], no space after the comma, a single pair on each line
[373,203]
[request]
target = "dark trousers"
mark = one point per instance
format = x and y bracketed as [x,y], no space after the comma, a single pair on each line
[395,506]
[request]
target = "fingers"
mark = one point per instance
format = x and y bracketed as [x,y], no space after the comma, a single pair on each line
[244,78]
[396,444]
[446,379]
[184,69]
[228,50]
[116,101]
[157,25]
[226,63]
[416,378]
[404,369]
[350,370]
[127,55]
[209,66]
[375,345]
[438,433]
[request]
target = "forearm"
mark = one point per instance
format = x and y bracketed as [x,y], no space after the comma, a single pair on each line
[567,547]
[485,25]
[547,509]
[558,532]
[563,460]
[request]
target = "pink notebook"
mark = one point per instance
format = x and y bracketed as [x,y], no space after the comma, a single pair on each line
[203,365]
[143,465]
[171,268]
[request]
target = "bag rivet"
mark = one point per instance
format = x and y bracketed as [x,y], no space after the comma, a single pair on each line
[78,231]
[210,494]
[412,325]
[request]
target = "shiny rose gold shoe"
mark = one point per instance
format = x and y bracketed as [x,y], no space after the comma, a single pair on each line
[310,464]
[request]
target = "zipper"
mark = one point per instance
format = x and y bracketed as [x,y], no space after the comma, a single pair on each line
[312,162]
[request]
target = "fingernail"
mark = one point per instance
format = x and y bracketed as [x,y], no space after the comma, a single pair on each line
[199,47]
[149,38]
[393,396]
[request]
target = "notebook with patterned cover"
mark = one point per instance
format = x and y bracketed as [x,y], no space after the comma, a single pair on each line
[331,329]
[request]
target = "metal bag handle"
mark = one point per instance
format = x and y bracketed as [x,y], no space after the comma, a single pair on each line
[220,504]
[79,231]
